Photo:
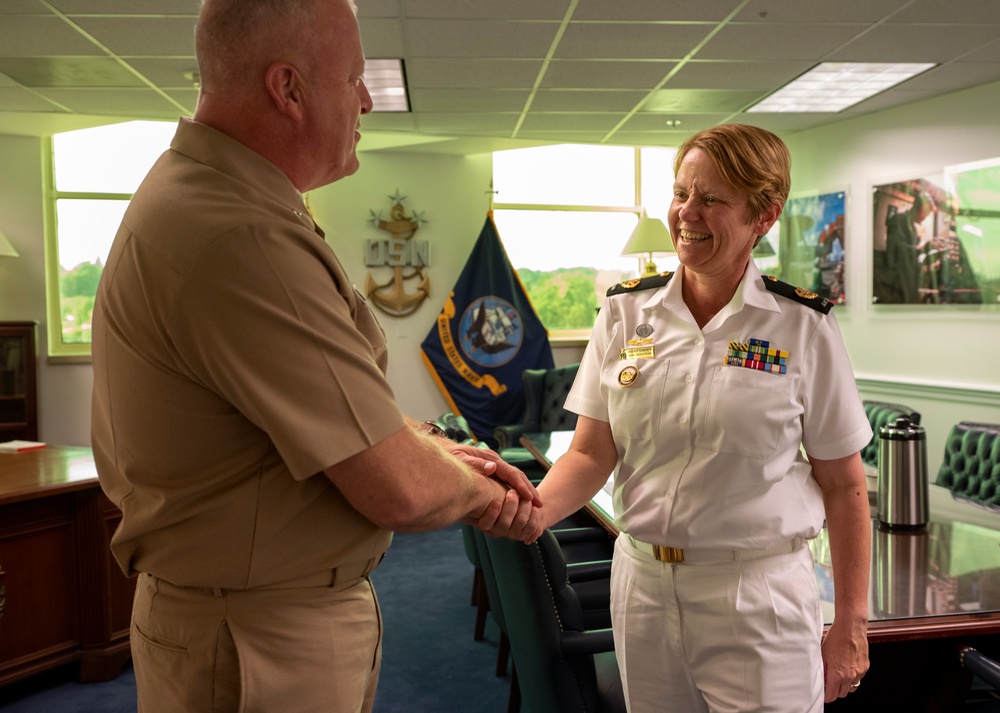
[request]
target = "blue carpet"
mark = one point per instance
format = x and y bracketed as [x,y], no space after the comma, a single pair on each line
[430,664]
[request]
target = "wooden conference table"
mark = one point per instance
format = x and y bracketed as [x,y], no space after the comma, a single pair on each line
[62,598]
[929,590]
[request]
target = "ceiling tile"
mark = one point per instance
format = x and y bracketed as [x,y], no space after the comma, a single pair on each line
[915,43]
[814,11]
[655,10]
[657,122]
[605,74]
[377,8]
[28,36]
[112,101]
[778,42]
[966,11]
[382,37]
[667,101]
[68,72]
[477,100]
[723,74]
[21,7]
[506,10]
[629,40]
[953,76]
[576,122]
[586,100]
[142,36]
[461,38]
[126,7]
[482,123]
[172,72]
[470,73]
[17,99]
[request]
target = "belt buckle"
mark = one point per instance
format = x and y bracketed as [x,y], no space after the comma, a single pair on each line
[668,554]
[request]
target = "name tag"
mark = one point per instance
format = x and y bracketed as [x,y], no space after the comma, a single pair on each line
[636,353]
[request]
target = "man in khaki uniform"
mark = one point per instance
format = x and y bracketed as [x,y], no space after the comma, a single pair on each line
[241,417]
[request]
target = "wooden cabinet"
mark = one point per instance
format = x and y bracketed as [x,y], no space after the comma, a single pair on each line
[18,386]
[62,598]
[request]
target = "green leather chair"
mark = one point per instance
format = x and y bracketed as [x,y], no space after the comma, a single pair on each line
[561,665]
[971,466]
[545,392]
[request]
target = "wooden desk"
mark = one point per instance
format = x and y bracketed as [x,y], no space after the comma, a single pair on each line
[929,592]
[62,598]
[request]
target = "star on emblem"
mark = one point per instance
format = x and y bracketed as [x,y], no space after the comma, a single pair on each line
[396,198]
[419,219]
[376,217]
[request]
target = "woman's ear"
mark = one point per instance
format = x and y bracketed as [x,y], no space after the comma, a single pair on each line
[767,219]
[285,87]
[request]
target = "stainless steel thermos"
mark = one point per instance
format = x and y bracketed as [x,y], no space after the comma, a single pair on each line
[902,475]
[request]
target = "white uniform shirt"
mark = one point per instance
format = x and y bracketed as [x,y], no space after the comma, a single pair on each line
[709,455]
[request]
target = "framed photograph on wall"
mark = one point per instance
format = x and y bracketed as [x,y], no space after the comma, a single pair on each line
[810,242]
[928,240]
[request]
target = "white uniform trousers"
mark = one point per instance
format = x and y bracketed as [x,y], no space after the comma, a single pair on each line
[725,637]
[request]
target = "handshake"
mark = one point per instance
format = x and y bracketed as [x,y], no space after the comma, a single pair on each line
[514,509]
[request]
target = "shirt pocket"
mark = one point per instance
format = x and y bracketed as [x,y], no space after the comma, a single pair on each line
[634,411]
[747,412]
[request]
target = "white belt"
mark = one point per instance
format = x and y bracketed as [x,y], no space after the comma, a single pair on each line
[677,555]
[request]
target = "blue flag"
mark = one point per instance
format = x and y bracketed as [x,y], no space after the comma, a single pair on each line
[486,334]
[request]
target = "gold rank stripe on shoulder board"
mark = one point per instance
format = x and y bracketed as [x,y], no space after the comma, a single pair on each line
[797,294]
[636,284]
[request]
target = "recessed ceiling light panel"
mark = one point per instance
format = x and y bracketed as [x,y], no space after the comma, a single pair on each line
[386,82]
[834,86]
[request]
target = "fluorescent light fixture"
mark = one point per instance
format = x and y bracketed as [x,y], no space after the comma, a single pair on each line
[833,86]
[386,82]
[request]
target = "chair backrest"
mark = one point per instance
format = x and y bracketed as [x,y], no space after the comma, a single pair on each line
[882,414]
[539,605]
[971,466]
[545,393]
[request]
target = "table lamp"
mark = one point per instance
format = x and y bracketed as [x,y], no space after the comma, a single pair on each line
[6,249]
[650,236]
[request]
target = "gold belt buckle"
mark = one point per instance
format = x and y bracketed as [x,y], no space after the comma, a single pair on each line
[668,554]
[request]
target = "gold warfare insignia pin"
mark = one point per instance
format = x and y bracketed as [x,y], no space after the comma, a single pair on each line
[638,342]
[805,294]
[627,376]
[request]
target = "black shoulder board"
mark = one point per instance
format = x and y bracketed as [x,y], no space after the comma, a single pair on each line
[798,294]
[636,284]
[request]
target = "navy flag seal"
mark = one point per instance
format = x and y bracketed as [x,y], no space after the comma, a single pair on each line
[797,294]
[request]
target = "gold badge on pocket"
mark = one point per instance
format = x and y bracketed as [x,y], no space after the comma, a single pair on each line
[627,376]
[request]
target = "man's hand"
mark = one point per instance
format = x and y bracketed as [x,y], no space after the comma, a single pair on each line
[512,517]
[488,463]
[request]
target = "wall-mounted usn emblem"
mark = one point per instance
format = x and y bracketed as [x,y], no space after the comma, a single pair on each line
[406,256]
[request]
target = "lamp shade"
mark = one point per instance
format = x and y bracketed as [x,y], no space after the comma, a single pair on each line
[6,249]
[649,237]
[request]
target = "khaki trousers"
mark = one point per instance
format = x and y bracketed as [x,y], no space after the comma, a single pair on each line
[304,649]
[726,637]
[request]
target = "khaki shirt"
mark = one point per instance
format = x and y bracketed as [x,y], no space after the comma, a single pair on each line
[233,362]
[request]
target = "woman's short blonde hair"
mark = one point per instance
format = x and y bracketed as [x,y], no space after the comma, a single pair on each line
[752,160]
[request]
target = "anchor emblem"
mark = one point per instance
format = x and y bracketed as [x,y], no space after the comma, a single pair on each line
[399,252]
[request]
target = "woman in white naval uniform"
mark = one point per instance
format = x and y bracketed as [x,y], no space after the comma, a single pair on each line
[700,390]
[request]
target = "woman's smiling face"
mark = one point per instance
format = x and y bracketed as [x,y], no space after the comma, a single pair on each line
[708,219]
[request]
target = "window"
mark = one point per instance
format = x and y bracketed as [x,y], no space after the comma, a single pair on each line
[565,212]
[93,175]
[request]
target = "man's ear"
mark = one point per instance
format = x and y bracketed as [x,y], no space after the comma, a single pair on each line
[285,87]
